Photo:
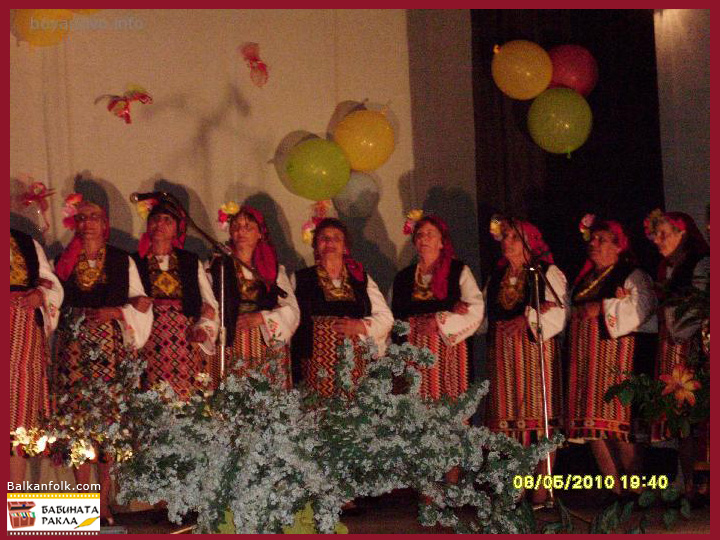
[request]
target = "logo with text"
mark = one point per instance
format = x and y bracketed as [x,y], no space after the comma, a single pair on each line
[53,513]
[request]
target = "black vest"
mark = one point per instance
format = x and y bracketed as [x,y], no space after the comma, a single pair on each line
[188,274]
[496,312]
[27,249]
[113,293]
[683,273]
[266,300]
[616,278]
[403,304]
[311,299]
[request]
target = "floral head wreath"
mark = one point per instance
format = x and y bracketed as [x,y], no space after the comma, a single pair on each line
[318,212]
[655,218]
[225,213]
[411,219]
[72,202]
[585,226]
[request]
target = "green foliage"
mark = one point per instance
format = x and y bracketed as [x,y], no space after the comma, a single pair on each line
[265,453]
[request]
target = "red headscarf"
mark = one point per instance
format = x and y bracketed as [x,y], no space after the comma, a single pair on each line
[621,240]
[538,248]
[171,209]
[693,241]
[441,269]
[353,266]
[264,258]
[68,259]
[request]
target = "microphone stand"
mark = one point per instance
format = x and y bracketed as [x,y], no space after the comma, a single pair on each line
[537,273]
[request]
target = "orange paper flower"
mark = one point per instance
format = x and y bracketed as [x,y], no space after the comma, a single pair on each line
[681,382]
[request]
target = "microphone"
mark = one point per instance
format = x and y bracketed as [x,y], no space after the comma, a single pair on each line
[137,197]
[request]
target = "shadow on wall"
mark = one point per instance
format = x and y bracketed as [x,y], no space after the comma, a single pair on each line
[377,255]
[198,154]
[279,230]
[458,209]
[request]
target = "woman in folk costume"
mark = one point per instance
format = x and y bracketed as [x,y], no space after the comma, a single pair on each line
[338,299]
[613,306]
[685,264]
[35,299]
[516,394]
[184,307]
[261,312]
[440,299]
[99,280]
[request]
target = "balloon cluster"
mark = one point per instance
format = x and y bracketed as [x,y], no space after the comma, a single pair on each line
[559,119]
[43,27]
[319,169]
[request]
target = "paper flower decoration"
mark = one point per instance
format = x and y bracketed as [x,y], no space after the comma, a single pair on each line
[411,219]
[37,193]
[258,69]
[585,224]
[120,105]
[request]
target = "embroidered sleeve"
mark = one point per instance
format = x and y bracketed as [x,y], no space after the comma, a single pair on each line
[634,312]
[136,325]
[209,320]
[379,323]
[279,324]
[456,327]
[553,321]
[52,296]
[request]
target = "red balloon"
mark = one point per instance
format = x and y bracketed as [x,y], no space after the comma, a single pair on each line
[573,67]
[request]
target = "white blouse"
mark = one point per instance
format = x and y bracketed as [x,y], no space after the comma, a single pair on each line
[53,296]
[635,312]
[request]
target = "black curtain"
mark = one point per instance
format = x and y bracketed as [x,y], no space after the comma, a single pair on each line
[616,174]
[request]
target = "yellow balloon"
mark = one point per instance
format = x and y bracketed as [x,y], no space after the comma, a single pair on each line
[521,69]
[366,138]
[40,27]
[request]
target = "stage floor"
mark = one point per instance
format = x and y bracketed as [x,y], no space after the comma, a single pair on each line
[396,512]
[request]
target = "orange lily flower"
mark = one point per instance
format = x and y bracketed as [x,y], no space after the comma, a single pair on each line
[682,384]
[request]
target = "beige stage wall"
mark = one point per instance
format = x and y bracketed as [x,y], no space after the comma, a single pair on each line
[209,127]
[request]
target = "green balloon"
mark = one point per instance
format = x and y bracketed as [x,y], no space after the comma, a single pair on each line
[317,169]
[559,120]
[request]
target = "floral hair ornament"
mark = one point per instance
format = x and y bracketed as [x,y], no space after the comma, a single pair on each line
[411,219]
[120,105]
[586,224]
[656,217]
[318,212]
[37,193]
[225,212]
[72,202]
[144,207]
[496,227]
